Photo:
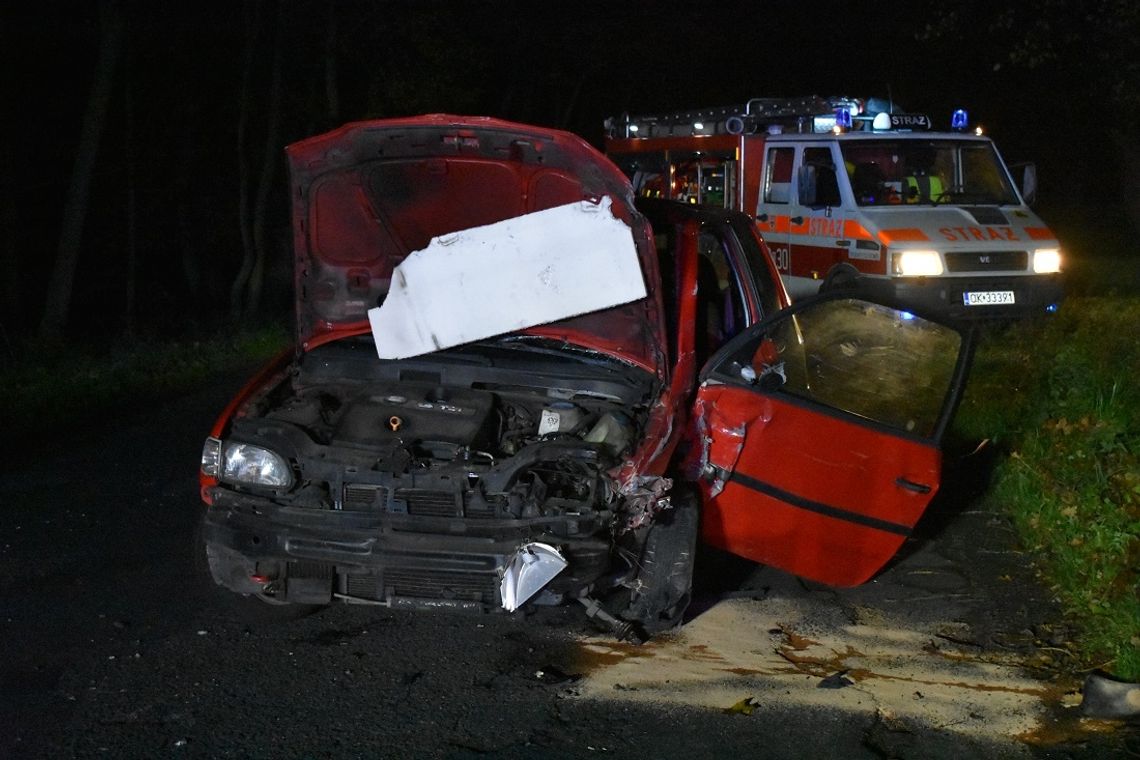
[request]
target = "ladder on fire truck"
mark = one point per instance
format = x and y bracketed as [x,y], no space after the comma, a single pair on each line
[757,115]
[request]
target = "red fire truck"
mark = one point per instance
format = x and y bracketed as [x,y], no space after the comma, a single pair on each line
[847,190]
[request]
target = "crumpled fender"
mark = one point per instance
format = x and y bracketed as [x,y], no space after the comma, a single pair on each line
[721,442]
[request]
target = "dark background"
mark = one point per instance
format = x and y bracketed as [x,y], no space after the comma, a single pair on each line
[186,175]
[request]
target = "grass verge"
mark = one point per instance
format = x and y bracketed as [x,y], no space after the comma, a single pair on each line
[1060,397]
[48,388]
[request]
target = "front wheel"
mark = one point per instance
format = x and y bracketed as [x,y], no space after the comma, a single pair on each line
[663,586]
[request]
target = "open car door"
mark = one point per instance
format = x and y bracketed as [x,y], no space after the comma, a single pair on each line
[820,431]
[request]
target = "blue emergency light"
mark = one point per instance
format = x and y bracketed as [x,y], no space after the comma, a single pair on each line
[843,118]
[959,120]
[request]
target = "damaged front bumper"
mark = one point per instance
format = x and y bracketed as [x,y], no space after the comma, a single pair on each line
[310,556]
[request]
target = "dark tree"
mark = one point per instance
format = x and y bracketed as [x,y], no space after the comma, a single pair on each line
[62,281]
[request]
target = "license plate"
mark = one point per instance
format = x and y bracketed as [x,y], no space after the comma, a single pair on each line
[987,297]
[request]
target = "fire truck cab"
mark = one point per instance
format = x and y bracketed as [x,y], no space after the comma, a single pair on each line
[849,192]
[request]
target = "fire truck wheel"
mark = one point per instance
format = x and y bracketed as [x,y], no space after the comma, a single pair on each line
[840,277]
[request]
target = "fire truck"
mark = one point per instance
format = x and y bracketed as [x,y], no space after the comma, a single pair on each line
[854,192]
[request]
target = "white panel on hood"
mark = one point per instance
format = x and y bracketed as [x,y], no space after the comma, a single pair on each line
[522,272]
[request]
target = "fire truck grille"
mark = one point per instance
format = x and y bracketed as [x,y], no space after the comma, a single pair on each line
[987,261]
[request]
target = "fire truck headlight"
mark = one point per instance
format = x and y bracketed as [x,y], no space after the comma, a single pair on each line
[917,263]
[1047,260]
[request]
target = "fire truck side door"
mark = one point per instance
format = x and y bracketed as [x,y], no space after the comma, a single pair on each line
[776,200]
[817,222]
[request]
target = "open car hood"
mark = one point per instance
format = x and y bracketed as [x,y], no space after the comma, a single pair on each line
[369,194]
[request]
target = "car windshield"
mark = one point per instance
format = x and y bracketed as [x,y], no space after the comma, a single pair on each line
[908,171]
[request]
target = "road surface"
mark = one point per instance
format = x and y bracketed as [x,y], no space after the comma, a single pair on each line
[114,647]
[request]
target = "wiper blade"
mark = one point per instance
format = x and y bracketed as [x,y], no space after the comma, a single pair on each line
[536,344]
[957,195]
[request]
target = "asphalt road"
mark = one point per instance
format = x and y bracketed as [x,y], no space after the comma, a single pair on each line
[114,647]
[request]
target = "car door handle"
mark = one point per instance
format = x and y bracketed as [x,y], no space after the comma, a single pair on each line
[761,217]
[910,485]
[796,220]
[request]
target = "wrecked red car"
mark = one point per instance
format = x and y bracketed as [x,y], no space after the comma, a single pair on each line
[514,385]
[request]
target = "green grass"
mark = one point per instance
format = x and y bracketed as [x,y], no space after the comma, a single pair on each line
[49,387]
[1062,398]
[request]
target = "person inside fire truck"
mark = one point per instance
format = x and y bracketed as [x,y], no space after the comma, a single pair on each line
[923,183]
[869,184]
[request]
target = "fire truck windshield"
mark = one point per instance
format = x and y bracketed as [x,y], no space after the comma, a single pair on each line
[902,171]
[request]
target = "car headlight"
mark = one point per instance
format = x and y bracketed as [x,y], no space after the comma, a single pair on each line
[253,465]
[1047,260]
[917,263]
[211,457]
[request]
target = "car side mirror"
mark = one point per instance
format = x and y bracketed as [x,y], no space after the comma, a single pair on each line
[767,366]
[1026,176]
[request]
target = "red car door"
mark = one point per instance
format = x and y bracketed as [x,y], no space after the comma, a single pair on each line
[819,435]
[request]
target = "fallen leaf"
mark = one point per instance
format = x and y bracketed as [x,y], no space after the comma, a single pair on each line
[743,707]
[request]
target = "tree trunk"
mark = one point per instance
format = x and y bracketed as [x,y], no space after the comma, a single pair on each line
[332,92]
[11,301]
[11,315]
[1129,154]
[62,281]
[131,201]
[191,266]
[568,111]
[237,287]
[268,177]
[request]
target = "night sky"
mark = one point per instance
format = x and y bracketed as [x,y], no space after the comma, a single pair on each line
[1034,79]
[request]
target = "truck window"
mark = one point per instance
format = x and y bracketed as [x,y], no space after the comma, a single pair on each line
[705,180]
[983,179]
[649,174]
[908,170]
[826,183]
[778,175]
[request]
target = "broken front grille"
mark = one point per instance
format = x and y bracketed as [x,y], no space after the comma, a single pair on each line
[441,584]
[419,583]
[420,502]
[986,261]
[425,503]
[364,496]
[303,569]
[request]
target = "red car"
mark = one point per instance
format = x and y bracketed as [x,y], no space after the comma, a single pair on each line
[514,385]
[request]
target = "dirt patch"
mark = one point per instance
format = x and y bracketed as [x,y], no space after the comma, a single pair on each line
[781,651]
[956,638]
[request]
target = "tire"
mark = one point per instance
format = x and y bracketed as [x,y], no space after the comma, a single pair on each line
[840,277]
[664,585]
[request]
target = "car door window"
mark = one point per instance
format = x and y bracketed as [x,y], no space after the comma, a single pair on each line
[721,307]
[875,362]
